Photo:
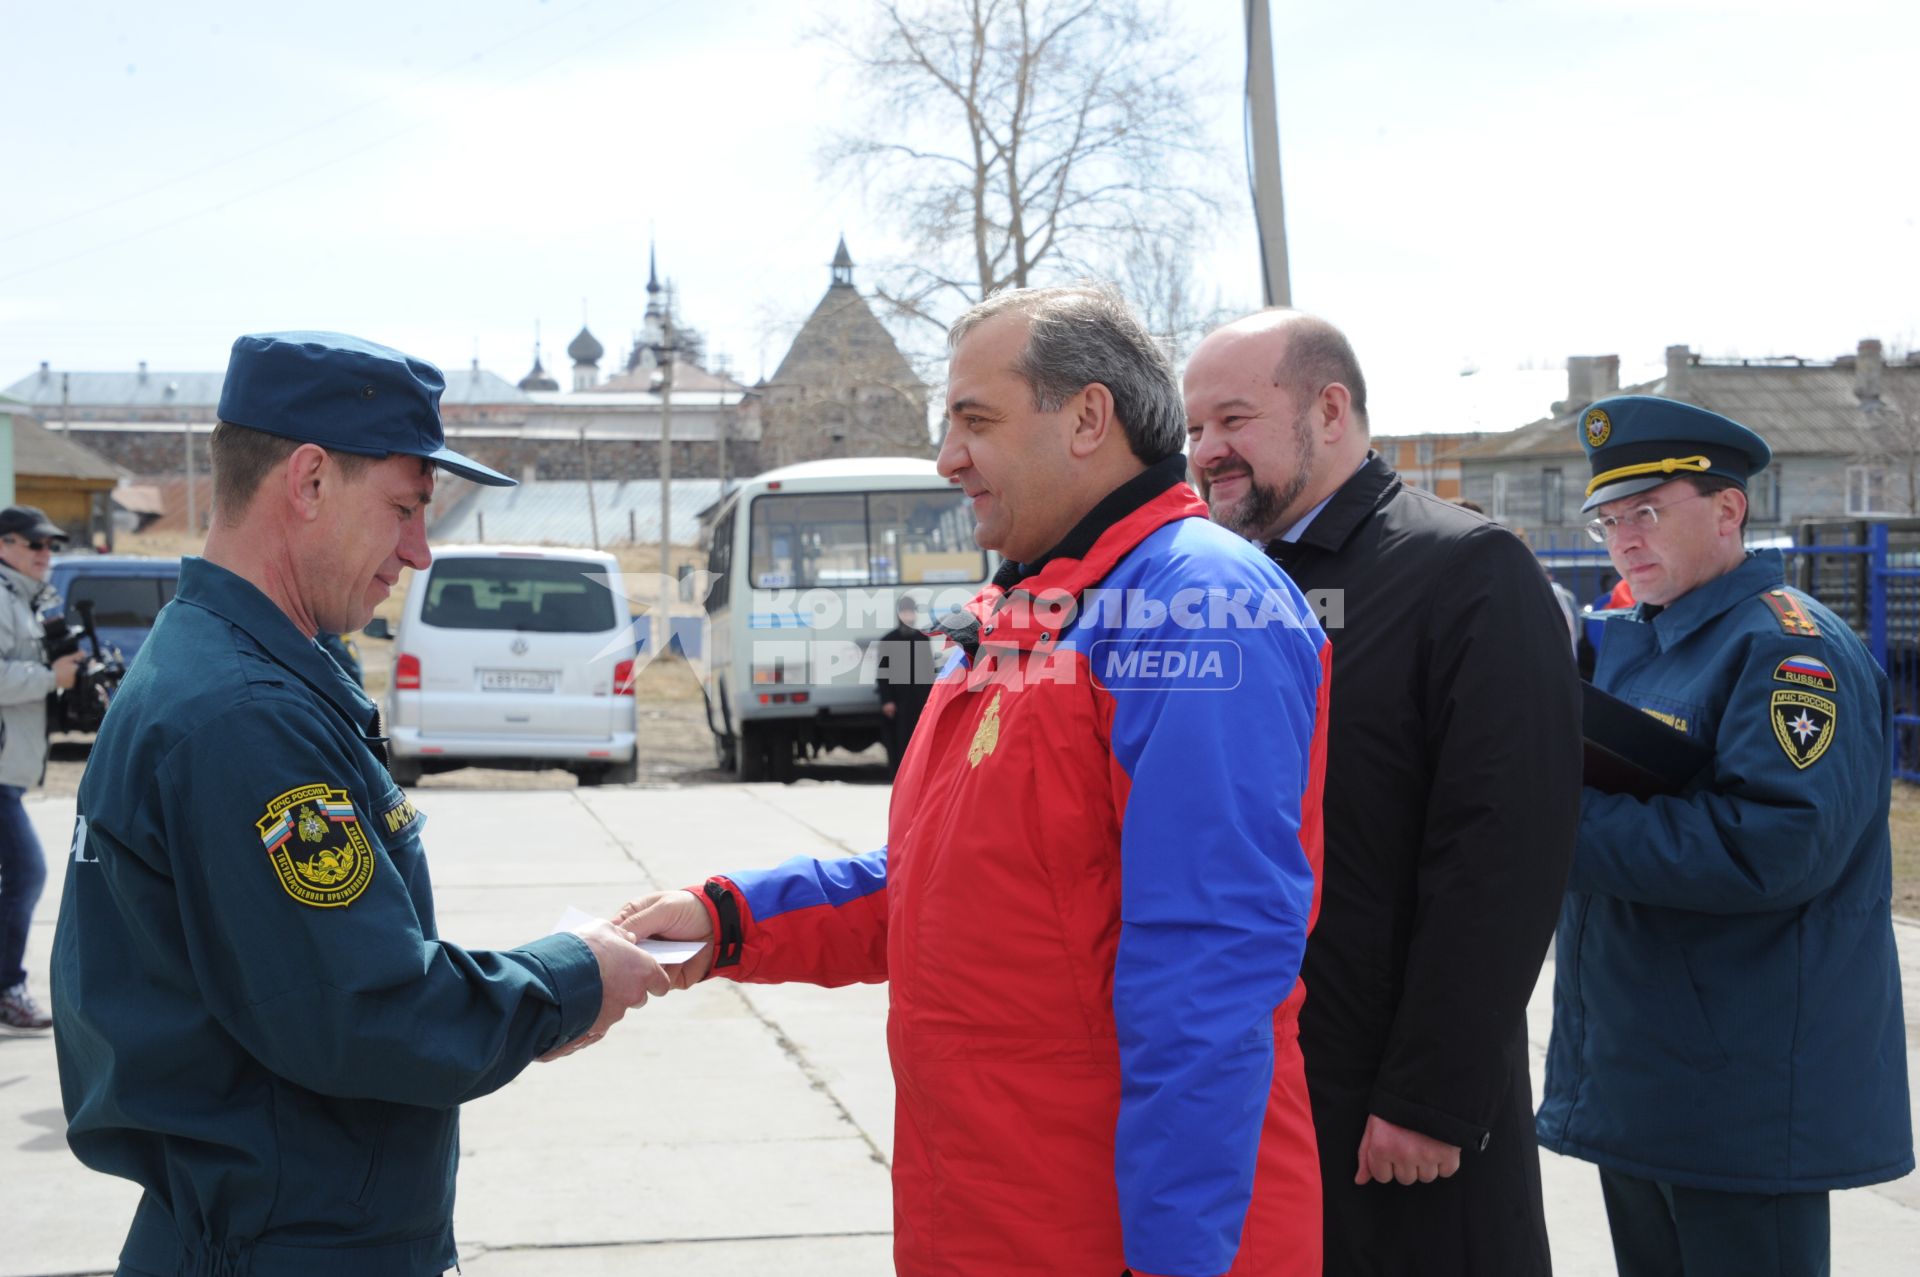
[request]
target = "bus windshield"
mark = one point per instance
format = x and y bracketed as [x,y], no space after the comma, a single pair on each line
[853,539]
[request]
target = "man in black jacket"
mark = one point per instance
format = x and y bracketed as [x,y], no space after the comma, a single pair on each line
[904,674]
[1452,799]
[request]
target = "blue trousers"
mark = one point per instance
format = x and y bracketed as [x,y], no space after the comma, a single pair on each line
[1664,1230]
[23,872]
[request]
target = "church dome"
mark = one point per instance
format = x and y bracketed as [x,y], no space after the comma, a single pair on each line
[585,349]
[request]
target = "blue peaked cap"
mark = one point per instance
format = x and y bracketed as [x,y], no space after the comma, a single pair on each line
[1635,443]
[345,394]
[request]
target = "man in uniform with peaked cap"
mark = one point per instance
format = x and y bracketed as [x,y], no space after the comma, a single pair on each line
[256,1019]
[1728,1042]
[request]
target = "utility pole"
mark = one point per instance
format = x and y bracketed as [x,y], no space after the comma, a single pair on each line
[663,355]
[586,468]
[1269,212]
[193,501]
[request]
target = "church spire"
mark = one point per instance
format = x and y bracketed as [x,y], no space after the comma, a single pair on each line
[842,265]
[537,379]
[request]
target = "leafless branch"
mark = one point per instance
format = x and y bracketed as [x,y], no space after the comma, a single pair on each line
[1023,141]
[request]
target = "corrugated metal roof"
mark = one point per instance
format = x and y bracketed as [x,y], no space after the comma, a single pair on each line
[44,453]
[1799,411]
[554,512]
[202,389]
[478,386]
[120,389]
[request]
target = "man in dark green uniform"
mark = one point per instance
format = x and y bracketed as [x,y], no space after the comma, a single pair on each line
[255,1018]
[1728,1041]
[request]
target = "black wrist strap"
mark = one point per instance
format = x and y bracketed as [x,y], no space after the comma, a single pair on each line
[728,943]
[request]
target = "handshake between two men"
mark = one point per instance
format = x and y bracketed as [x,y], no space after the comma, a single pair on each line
[629,975]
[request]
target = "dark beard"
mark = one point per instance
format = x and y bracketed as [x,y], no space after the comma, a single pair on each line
[1257,514]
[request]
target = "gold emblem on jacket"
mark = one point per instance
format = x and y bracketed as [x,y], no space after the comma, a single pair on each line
[1803,724]
[987,735]
[318,851]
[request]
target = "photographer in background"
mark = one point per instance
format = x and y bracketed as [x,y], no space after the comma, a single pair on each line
[27,542]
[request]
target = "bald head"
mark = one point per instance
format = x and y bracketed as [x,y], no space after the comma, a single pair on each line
[1276,419]
[1306,352]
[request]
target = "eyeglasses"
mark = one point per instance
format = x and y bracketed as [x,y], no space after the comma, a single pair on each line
[49,543]
[1643,520]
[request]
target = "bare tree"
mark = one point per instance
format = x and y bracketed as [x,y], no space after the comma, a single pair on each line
[1157,276]
[1023,141]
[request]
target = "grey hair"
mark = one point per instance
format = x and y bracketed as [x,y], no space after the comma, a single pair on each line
[1084,333]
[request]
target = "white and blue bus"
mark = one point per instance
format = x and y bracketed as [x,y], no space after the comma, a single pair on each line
[808,564]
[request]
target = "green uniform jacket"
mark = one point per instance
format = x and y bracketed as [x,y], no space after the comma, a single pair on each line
[255,1018]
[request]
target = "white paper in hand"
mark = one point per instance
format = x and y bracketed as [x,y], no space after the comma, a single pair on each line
[668,953]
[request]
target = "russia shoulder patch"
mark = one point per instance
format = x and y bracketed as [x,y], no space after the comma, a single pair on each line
[1806,671]
[319,852]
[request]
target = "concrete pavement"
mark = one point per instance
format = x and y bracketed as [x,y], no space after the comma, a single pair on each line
[731,1130]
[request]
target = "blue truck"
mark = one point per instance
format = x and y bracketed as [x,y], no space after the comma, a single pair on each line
[127,592]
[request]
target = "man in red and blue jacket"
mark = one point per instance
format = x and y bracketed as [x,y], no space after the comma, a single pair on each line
[1102,849]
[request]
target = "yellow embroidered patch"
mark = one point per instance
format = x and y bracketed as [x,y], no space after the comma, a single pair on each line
[1599,427]
[1674,721]
[987,735]
[1803,724]
[313,836]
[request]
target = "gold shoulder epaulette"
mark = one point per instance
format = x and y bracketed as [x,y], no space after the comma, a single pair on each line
[1793,618]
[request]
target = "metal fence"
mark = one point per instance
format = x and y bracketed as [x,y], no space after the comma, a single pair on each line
[1866,570]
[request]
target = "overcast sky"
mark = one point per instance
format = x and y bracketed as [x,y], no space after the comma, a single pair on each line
[1469,183]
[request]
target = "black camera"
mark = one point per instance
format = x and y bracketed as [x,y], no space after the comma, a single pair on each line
[81,708]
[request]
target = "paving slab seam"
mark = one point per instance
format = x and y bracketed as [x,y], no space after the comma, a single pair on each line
[821,834]
[787,1045]
[813,1075]
[618,841]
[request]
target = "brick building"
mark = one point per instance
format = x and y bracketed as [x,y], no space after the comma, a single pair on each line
[843,389]
[1430,461]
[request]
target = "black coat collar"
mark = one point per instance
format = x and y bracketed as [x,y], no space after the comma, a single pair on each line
[1353,502]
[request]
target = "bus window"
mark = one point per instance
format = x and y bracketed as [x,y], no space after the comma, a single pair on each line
[719,562]
[922,538]
[801,541]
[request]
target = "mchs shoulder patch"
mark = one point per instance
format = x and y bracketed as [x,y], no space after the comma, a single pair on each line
[399,818]
[313,837]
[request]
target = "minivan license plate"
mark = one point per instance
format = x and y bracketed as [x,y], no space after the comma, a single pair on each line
[519,680]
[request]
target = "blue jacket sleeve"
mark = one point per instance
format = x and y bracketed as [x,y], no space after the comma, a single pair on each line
[1217,890]
[350,999]
[815,921]
[1767,832]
